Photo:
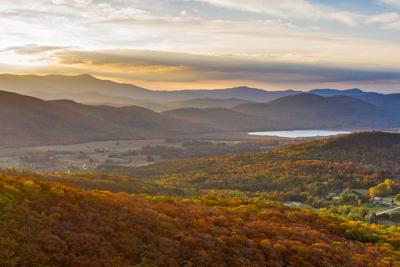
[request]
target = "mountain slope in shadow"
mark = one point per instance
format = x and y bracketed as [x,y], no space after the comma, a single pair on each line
[26,120]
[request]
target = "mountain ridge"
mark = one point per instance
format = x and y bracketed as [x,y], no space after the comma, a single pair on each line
[34,121]
[27,120]
[77,87]
[53,82]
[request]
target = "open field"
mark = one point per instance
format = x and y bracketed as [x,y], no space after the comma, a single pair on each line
[78,157]
[87,157]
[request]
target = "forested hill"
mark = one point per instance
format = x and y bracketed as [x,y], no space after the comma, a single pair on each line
[306,172]
[50,224]
[379,150]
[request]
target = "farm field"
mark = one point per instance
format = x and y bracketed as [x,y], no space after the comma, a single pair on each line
[86,157]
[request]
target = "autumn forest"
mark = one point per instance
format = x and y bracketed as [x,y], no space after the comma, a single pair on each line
[210,211]
[200,133]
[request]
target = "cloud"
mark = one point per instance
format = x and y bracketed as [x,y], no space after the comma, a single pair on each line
[283,8]
[32,49]
[213,40]
[393,3]
[290,9]
[390,20]
[182,67]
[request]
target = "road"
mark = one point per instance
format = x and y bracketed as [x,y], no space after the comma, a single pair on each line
[387,211]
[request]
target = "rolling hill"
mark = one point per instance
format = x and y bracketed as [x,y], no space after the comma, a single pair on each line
[30,121]
[79,87]
[242,92]
[309,111]
[388,102]
[301,111]
[305,172]
[215,118]
[52,224]
[206,103]
[335,92]
[88,89]
[60,84]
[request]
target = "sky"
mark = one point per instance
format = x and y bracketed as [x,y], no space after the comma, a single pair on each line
[204,44]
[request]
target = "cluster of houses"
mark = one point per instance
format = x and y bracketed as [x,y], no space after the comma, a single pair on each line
[377,201]
[382,202]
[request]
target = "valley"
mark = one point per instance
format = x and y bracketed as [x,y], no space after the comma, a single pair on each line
[310,202]
[31,121]
[86,157]
[131,173]
[199,133]
[334,174]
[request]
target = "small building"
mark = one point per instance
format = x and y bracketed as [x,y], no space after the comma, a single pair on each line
[293,204]
[376,200]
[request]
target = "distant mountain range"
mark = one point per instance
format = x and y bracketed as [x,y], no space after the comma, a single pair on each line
[90,90]
[27,120]
[309,111]
[114,111]
[387,102]
[301,111]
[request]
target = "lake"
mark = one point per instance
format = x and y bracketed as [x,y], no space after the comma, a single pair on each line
[300,133]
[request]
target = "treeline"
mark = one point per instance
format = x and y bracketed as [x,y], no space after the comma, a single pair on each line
[388,187]
[193,149]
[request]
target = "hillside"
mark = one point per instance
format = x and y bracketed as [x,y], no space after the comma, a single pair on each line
[335,92]
[388,102]
[379,151]
[27,120]
[301,111]
[31,121]
[306,172]
[308,111]
[60,84]
[50,224]
[206,103]
[242,92]
[132,120]
[216,118]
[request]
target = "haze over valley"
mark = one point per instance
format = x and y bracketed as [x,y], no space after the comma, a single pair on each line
[32,121]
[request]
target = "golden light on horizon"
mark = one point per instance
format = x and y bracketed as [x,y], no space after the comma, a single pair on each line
[182,44]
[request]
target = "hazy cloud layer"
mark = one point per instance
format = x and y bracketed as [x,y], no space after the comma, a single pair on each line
[394,3]
[189,68]
[32,49]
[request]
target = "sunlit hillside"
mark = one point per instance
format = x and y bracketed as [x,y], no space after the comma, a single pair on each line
[51,224]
